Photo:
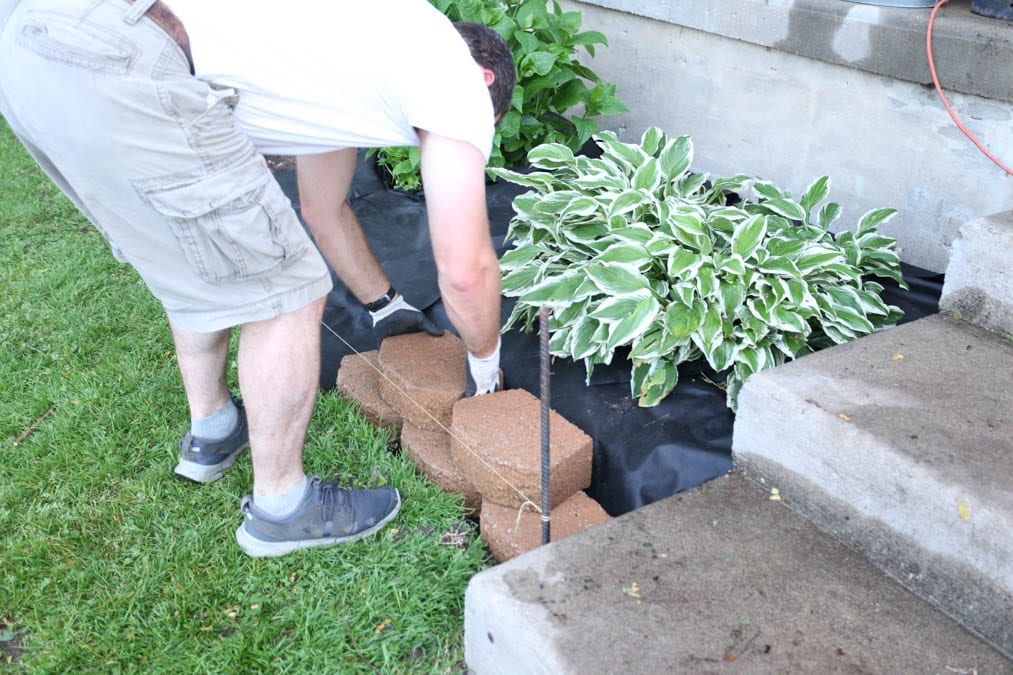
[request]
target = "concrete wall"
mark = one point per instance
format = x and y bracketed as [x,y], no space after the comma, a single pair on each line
[789,91]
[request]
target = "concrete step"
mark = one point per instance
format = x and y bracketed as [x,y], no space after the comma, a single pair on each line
[979,278]
[900,444]
[717,579]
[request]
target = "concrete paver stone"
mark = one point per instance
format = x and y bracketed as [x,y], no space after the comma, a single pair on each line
[359,380]
[510,531]
[425,377]
[430,452]
[501,434]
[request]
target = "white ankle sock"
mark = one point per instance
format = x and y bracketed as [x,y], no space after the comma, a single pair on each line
[283,504]
[217,425]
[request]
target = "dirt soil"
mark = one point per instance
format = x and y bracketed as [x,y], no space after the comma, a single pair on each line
[278,163]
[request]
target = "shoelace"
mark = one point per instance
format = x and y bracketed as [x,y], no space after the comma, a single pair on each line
[330,496]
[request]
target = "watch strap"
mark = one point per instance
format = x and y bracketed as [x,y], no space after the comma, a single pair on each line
[383,301]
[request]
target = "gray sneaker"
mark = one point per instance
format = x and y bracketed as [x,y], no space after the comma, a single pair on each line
[203,461]
[327,515]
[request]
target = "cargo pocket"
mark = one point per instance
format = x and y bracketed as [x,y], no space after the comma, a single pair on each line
[231,224]
[75,42]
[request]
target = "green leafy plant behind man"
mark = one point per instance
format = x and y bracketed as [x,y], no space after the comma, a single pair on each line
[632,249]
[556,98]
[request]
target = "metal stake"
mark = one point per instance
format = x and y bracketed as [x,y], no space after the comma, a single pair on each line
[543,357]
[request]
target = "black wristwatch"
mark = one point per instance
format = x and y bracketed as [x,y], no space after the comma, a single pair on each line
[384,300]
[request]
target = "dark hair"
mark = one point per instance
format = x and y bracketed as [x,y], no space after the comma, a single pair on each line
[491,51]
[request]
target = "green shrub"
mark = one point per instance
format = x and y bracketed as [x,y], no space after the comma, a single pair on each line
[633,250]
[556,98]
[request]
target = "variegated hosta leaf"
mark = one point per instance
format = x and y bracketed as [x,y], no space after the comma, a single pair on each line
[709,334]
[732,296]
[638,232]
[628,252]
[707,281]
[580,207]
[814,194]
[627,155]
[553,203]
[722,354]
[768,190]
[628,201]
[519,280]
[692,233]
[682,320]
[843,316]
[684,291]
[593,182]
[519,257]
[676,158]
[582,342]
[739,184]
[572,314]
[817,256]
[552,156]
[788,321]
[537,179]
[785,247]
[652,381]
[614,310]
[635,324]
[683,263]
[648,176]
[748,236]
[786,208]
[660,245]
[554,292]
[780,266]
[652,139]
[873,219]
[618,279]
[648,345]
[732,265]
[690,185]
[828,215]
[585,232]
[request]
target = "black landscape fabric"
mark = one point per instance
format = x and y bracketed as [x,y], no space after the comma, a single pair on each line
[640,454]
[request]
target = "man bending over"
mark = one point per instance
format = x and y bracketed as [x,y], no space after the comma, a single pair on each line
[152,118]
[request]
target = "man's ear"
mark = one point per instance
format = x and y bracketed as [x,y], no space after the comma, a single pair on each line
[489,76]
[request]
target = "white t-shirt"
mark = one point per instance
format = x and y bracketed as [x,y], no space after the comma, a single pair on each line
[315,76]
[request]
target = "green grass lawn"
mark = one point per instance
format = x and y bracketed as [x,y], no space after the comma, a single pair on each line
[108,563]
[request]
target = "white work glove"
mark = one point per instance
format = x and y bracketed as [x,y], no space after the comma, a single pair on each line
[483,374]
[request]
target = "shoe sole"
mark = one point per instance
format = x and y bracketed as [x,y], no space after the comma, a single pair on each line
[258,548]
[207,473]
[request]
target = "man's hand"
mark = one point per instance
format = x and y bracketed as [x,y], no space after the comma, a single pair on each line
[484,375]
[398,317]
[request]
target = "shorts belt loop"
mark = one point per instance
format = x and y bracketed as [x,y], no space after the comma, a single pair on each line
[137,10]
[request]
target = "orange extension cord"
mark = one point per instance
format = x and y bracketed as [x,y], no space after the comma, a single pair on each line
[942,96]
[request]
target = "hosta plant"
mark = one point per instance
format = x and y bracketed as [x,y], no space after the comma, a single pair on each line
[556,99]
[633,250]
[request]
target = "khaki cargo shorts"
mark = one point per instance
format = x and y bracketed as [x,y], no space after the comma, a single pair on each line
[104,101]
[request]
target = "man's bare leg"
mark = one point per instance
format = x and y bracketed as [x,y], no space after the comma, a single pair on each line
[201,358]
[279,370]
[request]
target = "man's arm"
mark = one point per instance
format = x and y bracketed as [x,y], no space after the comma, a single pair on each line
[453,173]
[323,185]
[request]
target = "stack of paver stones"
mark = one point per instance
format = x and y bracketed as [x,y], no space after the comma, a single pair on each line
[486,448]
